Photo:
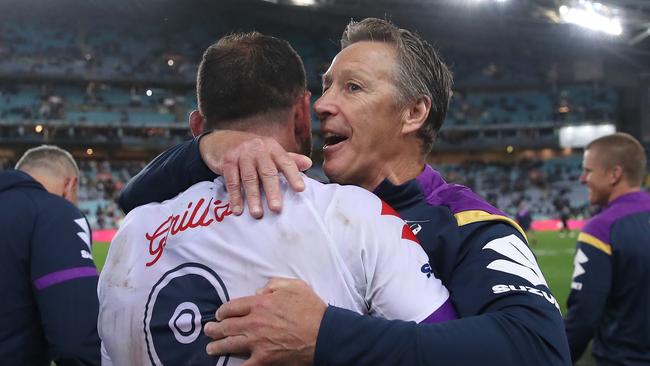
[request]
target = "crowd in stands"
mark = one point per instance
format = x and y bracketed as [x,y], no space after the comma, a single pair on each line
[100,184]
[93,102]
[102,103]
[569,103]
[113,52]
[545,186]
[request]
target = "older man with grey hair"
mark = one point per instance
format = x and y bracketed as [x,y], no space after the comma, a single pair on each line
[49,310]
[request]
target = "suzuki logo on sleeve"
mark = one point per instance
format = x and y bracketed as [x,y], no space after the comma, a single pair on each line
[85,234]
[580,259]
[521,261]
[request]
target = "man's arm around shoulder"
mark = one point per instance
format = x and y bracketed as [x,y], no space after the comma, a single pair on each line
[499,324]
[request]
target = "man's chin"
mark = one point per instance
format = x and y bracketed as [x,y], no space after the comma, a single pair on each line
[330,173]
[335,172]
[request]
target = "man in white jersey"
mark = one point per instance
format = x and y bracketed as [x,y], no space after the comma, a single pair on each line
[172,264]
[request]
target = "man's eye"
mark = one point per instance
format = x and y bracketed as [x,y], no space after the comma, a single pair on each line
[353,87]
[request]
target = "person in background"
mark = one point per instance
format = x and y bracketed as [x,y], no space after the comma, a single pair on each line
[609,300]
[525,219]
[49,310]
[565,214]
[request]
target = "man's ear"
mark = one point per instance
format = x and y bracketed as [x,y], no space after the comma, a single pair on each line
[615,175]
[416,114]
[197,123]
[302,115]
[70,189]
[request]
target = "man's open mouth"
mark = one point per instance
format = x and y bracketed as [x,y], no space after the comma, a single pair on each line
[332,139]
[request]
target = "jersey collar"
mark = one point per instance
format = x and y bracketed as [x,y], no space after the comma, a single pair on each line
[400,196]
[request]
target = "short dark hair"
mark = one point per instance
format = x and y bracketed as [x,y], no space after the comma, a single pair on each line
[245,74]
[624,150]
[420,69]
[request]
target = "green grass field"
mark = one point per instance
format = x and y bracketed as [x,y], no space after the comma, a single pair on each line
[100,250]
[555,257]
[554,254]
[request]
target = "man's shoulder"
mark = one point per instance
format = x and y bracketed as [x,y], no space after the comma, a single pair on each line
[349,197]
[18,190]
[47,204]
[466,206]
[598,225]
[470,211]
[597,231]
[199,189]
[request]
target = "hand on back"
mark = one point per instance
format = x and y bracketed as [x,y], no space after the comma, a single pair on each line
[278,326]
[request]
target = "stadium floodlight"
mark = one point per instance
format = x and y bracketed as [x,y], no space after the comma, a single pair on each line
[595,16]
[490,1]
[579,136]
[304,2]
[297,2]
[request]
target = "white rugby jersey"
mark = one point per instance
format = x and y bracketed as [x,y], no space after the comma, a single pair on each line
[172,264]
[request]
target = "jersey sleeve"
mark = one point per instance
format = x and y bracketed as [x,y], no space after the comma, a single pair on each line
[396,274]
[590,287]
[170,173]
[64,279]
[508,316]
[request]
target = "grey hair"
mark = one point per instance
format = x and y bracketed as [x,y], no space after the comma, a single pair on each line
[420,71]
[53,159]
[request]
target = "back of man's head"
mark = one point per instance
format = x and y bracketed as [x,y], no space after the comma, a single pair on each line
[621,149]
[247,74]
[54,168]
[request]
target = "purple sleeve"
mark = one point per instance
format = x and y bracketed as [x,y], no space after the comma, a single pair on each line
[444,313]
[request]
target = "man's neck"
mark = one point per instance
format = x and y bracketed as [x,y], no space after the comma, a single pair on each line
[399,170]
[51,184]
[620,191]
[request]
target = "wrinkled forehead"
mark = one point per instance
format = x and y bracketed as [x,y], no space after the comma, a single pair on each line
[365,59]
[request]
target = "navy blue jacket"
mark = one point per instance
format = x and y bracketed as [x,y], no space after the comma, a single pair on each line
[49,282]
[610,290]
[509,316]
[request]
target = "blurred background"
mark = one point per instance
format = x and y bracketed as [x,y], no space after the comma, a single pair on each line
[535,80]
